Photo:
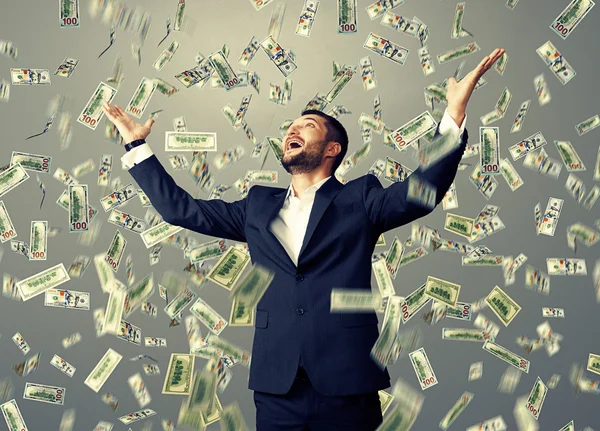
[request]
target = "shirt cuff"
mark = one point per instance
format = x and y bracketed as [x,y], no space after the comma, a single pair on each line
[448,125]
[136,155]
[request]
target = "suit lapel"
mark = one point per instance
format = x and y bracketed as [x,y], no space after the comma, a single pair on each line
[276,201]
[323,198]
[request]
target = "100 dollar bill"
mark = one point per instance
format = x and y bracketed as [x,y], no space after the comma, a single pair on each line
[101,372]
[141,97]
[92,112]
[229,268]
[178,378]
[12,416]
[442,290]
[11,178]
[78,208]
[42,281]
[33,162]
[190,141]
[158,233]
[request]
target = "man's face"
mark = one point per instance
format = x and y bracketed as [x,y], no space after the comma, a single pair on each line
[304,144]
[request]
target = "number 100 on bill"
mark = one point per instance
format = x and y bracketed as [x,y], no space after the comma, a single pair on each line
[346,16]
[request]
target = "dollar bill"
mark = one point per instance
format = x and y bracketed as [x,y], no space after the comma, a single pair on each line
[179,15]
[44,393]
[30,76]
[127,221]
[503,306]
[115,251]
[459,52]
[279,56]
[7,229]
[570,17]
[177,304]
[259,4]
[141,97]
[307,18]
[71,340]
[12,416]
[536,398]
[62,365]
[553,312]
[229,268]
[346,13]
[349,300]
[11,178]
[190,141]
[593,363]
[130,333]
[556,62]
[118,197]
[490,150]
[42,281]
[166,55]
[507,356]
[137,294]
[386,48]
[457,30]
[209,250]
[568,266]
[139,389]
[84,168]
[136,416]
[587,125]
[63,298]
[518,123]
[413,130]
[456,410]
[383,278]
[92,112]
[526,146]
[394,256]
[68,13]
[224,70]
[158,233]
[155,342]
[207,315]
[568,427]
[422,367]
[251,288]
[178,378]
[459,225]
[32,162]
[21,343]
[510,174]
[541,89]
[485,184]
[442,290]
[413,303]
[461,311]
[79,214]
[462,334]
[114,311]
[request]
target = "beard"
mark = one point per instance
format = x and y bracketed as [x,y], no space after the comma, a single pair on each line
[302,161]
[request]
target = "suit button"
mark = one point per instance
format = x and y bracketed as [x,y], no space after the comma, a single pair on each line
[300,311]
[299,277]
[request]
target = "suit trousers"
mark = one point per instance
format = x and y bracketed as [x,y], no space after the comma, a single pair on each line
[305,409]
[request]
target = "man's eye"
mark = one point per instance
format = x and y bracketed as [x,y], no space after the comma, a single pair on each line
[310,124]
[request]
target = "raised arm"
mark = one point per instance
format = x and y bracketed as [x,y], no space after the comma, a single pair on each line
[389,207]
[212,217]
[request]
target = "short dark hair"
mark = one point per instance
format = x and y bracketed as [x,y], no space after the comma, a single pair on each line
[335,132]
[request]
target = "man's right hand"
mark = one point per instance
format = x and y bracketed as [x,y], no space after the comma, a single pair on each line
[128,128]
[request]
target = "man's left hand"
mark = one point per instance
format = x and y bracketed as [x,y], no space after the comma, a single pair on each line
[458,93]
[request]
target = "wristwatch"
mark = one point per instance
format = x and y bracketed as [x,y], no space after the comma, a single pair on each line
[134,144]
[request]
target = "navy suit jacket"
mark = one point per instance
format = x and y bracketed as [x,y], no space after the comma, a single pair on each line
[293,317]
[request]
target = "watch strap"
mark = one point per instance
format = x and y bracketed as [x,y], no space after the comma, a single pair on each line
[134,144]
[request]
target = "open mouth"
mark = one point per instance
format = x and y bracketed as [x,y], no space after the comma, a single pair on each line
[294,144]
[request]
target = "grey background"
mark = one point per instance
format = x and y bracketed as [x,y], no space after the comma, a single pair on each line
[33,27]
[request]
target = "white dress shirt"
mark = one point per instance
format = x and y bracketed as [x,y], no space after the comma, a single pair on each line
[289,226]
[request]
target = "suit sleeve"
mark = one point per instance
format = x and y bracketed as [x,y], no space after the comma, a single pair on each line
[213,217]
[389,207]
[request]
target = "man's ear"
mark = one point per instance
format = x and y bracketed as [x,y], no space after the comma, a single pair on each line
[336,145]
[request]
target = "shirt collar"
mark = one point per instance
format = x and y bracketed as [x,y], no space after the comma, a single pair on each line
[314,188]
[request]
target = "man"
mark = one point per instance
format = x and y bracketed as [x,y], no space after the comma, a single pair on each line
[310,369]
